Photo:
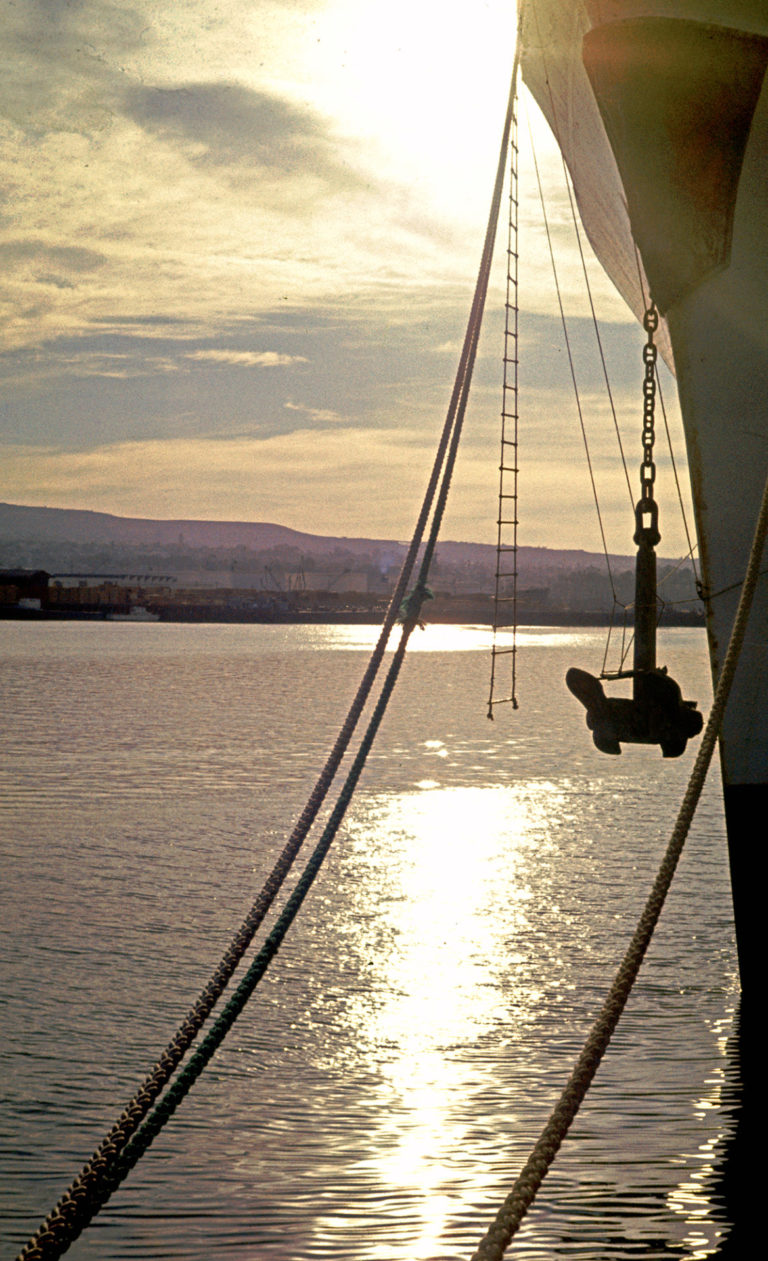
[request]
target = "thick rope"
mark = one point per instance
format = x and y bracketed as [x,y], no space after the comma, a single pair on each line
[494,1244]
[117,1153]
[50,1243]
[188,1075]
[472,337]
[186,1078]
[70,1208]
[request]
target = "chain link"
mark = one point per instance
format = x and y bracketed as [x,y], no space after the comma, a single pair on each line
[648,468]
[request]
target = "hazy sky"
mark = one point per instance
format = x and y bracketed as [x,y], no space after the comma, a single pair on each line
[238,245]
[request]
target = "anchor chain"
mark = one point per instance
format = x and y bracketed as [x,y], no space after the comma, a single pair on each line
[647,534]
[650,355]
[657,712]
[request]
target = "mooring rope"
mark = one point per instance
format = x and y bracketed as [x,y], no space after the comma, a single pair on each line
[141,1141]
[494,1244]
[69,1211]
[189,1073]
[132,1134]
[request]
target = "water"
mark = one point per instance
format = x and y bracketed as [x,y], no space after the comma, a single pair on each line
[390,1076]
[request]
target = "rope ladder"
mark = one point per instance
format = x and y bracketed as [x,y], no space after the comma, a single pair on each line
[506,573]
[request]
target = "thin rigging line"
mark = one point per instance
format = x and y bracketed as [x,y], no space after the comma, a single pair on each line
[571,363]
[596,327]
[692,547]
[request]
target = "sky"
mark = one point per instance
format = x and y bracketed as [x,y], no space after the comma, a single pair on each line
[238,247]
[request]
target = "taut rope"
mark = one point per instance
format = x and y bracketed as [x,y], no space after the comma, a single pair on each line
[494,1244]
[125,1143]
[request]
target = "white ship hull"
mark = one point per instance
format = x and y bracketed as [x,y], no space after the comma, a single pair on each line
[661,111]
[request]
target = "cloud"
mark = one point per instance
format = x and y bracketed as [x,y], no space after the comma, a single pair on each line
[352,481]
[64,61]
[124,367]
[118,320]
[321,415]
[229,126]
[304,475]
[357,364]
[246,358]
[235,378]
[195,254]
[29,263]
[166,161]
[71,258]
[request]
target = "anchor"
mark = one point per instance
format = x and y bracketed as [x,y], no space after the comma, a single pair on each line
[657,712]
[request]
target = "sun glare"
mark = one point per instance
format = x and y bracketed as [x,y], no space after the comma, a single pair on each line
[424,85]
[453,855]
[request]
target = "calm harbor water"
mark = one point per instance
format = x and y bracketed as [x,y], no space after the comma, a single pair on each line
[379,1094]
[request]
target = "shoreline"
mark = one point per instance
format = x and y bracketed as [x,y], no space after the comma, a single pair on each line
[351,617]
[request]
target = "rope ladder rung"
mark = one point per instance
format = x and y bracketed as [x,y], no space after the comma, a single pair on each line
[506,526]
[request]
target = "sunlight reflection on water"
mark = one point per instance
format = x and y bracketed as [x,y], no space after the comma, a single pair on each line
[451,852]
[378,1096]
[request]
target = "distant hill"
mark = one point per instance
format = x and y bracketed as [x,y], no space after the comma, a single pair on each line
[20,524]
[75,525]
[244,555]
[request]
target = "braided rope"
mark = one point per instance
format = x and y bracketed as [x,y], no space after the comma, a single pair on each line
[188,1075]
[61,1228]
[494,1244]
[49,1239]
[55,1234]
[119,1151]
